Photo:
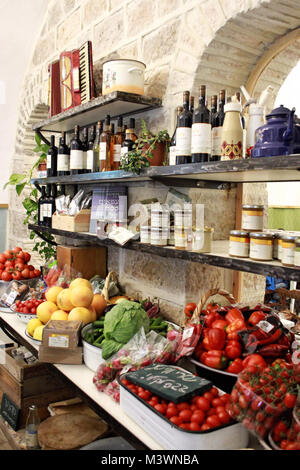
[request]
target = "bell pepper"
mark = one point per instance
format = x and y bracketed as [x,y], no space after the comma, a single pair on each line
[236,366]
[256,317]
[222,324]
[211,317]
[254,360]
[233,315]
[233,349]
[216,338]
[235,326]
[214,358]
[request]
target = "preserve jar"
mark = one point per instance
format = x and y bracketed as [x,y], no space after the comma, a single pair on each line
[159,236]
[159,217]
[297,253]
[171,239]
[288,245]
[239,243]
[183,217]
[252,217]
[261,246]
[145,234]
[180,238]
[202,240]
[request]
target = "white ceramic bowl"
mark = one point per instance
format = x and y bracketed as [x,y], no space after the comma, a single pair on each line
[25,317]
[92,355]
[31,337]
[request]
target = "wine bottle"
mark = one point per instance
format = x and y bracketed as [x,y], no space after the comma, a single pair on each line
[192,103]
[127,144]
[52,158]
[48,207]
[131,128]
[112,132]
[201,130]
[183,133]
[105,139]
[118,139]
[63,157]
[217,120]
[76,154]
[91,162]
[96,147]
[172,155]
[41,204]
[85,145]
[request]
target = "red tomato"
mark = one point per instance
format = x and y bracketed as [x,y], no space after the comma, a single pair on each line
[31,274]
[16,275]
[9,264]
[202,403]
[3,258]
[189,309]
[213,421]
[26,257]
[290,400]
[16,249]
[209,396]
[171,412]
[6,276]
[183,406]
[198,417]
[185,426]
[25,273]
[205,427]
[224,398]
[194,426]
[185,415]
[1,266]
[145,395]
[30,267]
[214,391]
[176,420]
[19,266]
[223,417]
[37,272]
[9,254]
[217,402]
[161,408]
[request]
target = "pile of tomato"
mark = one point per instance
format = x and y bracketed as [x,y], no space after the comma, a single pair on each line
[262,396]
[201,413]
[14,265]
[28,306]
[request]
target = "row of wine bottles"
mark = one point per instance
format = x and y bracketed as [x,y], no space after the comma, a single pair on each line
[197,136]
[46,204]
[99,148]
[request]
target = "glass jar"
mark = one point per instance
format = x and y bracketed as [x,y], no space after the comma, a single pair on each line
[183,218]
[202,240]
[239,243]
[252,217]
[297,253]
[261,246]
[145,234]
[159,217]
[159,236]
[288,245]
[171,239]
[180,238]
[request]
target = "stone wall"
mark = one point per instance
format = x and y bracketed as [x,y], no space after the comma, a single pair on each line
[184,43]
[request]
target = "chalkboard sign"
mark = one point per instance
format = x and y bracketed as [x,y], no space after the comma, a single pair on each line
[9,411]
[171,383]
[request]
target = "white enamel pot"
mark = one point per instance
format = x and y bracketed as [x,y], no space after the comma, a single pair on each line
[123,75]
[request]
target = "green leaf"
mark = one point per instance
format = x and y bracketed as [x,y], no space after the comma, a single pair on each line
[37,139]
[19,188]
[29,204]
[14,179]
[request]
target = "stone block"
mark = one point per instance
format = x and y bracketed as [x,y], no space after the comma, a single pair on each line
[160,44]
[65,31]
[44,49]
[165,7]
[93,10]
[179,82]
[140,16]
[156,81]
[213,14]
[108,34]
[68,5]
[55,14]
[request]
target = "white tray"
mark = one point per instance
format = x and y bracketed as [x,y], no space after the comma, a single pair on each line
[218,371]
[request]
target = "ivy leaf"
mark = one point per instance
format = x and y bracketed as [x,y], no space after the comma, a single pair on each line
[37,139]
[29,204]
[15,178]
[19,188]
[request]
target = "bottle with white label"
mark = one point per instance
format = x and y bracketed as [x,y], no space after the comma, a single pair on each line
[52,158]
[127,145]
[201,130]
[41,204]
[91,163]
[31,429]
[217,119]
[96,146]
[118,140]
[47,207]
[63,157]
[172,150]
[184,133]
[85,145]
[76,154]
[105,146]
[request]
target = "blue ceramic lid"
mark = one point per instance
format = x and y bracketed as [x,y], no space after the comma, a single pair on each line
[281,111]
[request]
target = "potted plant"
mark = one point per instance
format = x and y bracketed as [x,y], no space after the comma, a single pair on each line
[149,150]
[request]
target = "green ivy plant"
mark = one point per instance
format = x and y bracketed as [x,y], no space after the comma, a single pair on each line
[137,158]
[21,182]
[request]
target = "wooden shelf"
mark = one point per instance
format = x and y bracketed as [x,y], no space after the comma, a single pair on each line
[253,170]
[115,104]
[218,257]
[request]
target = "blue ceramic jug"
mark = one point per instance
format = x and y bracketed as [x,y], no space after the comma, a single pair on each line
[279,136]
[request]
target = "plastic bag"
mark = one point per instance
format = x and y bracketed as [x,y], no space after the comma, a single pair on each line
[141,351]
[55,276]
[98,285]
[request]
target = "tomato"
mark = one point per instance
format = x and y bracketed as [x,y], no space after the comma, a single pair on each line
[223,417]
[37,272]
[185,426]
[6,276]
[31,274]
[219,409]
[209,396]
[214,391]
[185,415]
[20,256]
[254,360]
[161,408]
[9,254]
[189,309]
[19,266]
[25,273]
[183,406]
[205,427]
[176,420]
[202,403]
[30,267]
[213,421]
[3,258]
[9,264]
[224,398]
[171,411]
[16,275]
[292,446]
[198,417]
[26,257]
[290,400]
[217,402]
[16,249]
[145,395]
[194,426]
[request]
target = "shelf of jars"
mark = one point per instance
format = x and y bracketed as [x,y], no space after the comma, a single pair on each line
[252,170]
[115,104]
[217,257]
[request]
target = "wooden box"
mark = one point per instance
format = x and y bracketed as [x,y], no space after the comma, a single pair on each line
[88,261]
[32,384]
[77,223]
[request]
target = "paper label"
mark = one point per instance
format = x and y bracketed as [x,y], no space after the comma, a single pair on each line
[76,160]
[84,160]
[102,153]
[117,152]
[183,140]
[201,138]
[265,326]
[58,341]
[236,248]
[172,156]
[63,162]
[252,222]
[48,161]
[90,160]
[216,134]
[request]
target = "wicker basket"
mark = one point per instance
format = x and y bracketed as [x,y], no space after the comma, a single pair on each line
[112,276]
[204,299]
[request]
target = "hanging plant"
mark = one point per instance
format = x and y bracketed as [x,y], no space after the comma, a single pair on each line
[21,182]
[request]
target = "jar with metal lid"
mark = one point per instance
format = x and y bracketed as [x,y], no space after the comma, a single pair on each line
[239,243]
[297,253]
[145,234]
[159,236]
[288,245]
[171,238]
[261,246]
[184,217]
[180,238]
[252,217]
[159,217]
[202,239]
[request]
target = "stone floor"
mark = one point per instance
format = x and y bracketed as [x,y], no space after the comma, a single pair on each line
[4,444]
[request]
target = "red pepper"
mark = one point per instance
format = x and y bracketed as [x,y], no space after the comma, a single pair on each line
[233,349]
[273,350]
[232,336]
[254,360]
[216,338]
[256,317]
[236,325]
[271,339]
[211,317]
[215,359]
[222,324]
[233,315]
[236,366]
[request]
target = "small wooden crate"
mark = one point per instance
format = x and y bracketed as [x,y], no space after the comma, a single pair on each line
[32,384]
[77,223]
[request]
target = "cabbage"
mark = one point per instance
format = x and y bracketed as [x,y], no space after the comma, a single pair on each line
[121,323]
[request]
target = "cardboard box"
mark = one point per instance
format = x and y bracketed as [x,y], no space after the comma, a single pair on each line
[77,223]
[61,334]
[60,355]
[88,261]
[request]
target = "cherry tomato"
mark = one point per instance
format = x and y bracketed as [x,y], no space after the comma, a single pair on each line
[26,257]
[145,395]
[290,400]
[3,258]
[183,406]
[214,391]
[213,421]
[25,273]
[205,427]
[223,417]
[224,398]
[189,309]
[185,415]
[217,402]
[202,403]
[209,396]
[171,412]
[6,276]
[185,426]
[176,420]
[194,426]
[198,417]
[161,408]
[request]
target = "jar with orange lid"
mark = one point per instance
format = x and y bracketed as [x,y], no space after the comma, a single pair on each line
[261,246]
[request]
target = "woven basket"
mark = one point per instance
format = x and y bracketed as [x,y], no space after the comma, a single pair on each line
[112,276]
[204,299]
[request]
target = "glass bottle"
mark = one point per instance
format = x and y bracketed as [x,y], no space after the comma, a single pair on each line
[91,163]
[96,146]
[217,120]
[85,145]
[52,158]
[105,139]
[41,206]
[63,157]
[131,128]
[183,133]
[201,130]
[31,429]
[118,139]
[76,154]
[192,104]
[172,155]
[127,144]
[112,131]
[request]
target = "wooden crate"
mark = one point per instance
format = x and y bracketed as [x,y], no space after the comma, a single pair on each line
[88,260]
[36,384]
[77,223]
